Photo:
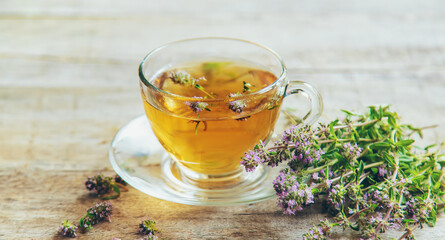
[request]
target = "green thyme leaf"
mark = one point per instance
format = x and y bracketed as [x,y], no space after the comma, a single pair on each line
[405,142]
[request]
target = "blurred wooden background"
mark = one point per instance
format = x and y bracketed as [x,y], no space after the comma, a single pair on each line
[68,82]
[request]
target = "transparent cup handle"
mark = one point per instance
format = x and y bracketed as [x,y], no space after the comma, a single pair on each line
[308,91]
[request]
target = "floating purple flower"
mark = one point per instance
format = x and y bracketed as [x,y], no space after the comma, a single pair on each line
[182,77]
[197,107]
[237,105]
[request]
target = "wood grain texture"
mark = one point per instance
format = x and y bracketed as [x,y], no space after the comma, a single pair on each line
[68,82]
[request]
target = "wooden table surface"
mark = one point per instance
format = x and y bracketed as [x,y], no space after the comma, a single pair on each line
[68,82]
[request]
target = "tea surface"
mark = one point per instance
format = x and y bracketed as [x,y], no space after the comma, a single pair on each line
[209,137]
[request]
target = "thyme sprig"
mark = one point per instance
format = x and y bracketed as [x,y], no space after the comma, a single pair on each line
[103,185]
[148,227]
[236,106]
[99,212]
[365,170]
[68,229]
[184,78]
[247,87]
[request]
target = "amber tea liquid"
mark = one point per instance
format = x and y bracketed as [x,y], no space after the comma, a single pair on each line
[212,139]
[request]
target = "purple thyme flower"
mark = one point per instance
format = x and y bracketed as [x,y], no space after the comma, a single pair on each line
[350,211]
[315,233]
[237,105]
[254,157]
[284,182]
[68,229]
[382,171]
[315,176]
[301,143]
[100,211]
[197,107]
[320,232]
[321,176]
[100,184]
[297,146]
[351,151]
[328,183]
[118,179]
[337,196]
[148,227]
[103,185]
[182,77]
[379,197]
[419,210]
[150,236]
[292,196]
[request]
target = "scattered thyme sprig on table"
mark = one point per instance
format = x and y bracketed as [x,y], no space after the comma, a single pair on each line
[97,213]
[103,185]
[68,229]
[365,169]
[148,227]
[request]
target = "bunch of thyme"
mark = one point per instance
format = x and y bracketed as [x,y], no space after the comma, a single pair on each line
[364,169]
[103,185]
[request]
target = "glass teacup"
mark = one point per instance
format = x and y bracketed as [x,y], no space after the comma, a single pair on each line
[207,134]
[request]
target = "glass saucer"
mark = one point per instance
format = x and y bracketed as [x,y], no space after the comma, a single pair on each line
[138,157]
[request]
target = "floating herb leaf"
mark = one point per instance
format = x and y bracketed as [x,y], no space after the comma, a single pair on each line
[247,87]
